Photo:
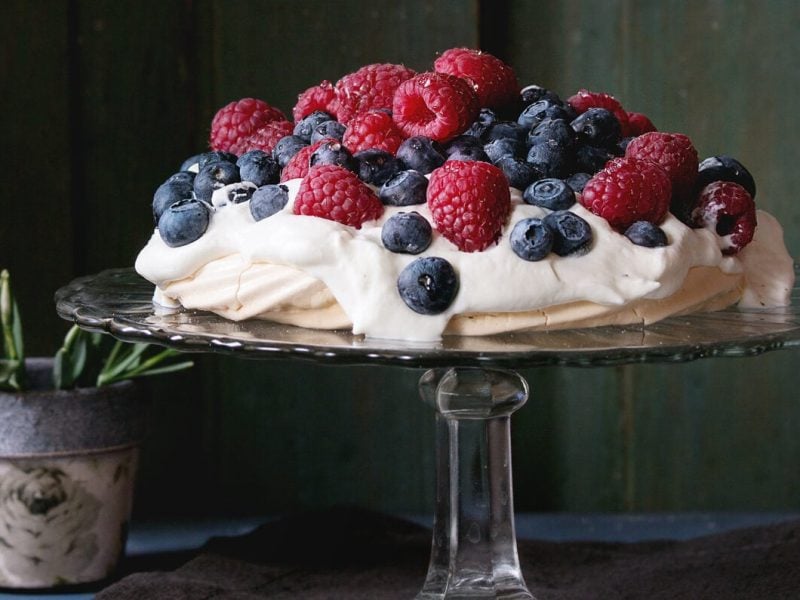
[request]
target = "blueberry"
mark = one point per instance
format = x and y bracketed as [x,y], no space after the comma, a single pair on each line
[466,147]
[406,233]
[421,154]
[191,163]
[724,168]
[577,181]
[405,188]
[268,200]
[213,176]
[554,131]
[597,127]
[531,239]
[590,159]
[215,156]
[234,193]
[286,148]
[520,174]
[535,113]
[551,193]
[168,193]
[333,153]
[184,222]
[533,93]
[571,234]
[622,145]
[306,126]
[645,233]
[375,166]
[486,118]
[185,176]
[327,129]
[504,129]
[503,147]
[428,285]
[551,159]
[258,167]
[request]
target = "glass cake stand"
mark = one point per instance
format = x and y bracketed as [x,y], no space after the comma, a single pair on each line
[470,384]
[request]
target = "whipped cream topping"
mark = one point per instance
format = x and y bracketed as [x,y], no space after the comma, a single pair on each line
[338,274]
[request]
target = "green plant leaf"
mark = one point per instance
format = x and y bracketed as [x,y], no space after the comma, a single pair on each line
[11,324]
[8,371]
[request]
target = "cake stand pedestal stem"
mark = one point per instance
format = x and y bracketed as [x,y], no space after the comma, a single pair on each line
[474,549]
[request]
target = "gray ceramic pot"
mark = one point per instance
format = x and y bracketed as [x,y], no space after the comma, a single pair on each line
[68,462]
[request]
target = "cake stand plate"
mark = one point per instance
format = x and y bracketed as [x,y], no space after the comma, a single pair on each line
[469,384]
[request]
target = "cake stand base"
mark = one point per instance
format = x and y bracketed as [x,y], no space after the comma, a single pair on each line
[474,549]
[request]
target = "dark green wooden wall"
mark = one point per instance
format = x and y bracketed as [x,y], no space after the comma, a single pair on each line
[102,100]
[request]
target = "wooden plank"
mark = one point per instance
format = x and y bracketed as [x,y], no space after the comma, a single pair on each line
[36,233]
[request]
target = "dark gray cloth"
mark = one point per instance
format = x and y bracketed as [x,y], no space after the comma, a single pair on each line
[355,554]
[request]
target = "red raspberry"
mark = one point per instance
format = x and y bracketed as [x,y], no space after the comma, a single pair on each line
[435,105]
[334,193]
[470,202]
[639,124]
[628,190]
[728,209]
[298,165]
[318,97]
[263,138]
[584,100]
[673,152]
[372,129]
[494,81]
[240,119]
[371,87]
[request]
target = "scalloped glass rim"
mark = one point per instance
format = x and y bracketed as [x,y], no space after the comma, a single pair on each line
[119,302]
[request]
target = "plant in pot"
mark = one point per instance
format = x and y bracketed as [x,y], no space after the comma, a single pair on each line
[70,430]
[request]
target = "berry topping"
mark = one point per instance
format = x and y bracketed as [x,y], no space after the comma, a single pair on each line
[331,152]
[183,222]
[268,200]
[258,167]
[465,147]
[486,118]
[215,156]
[334,193]
[169,193]
[421,154]
[590,159]
[551,160]
[531,239]
[182,176]
[503,147]
[286,148]
[571,234]
[469,202]
[724,168]
[404,189]
[319,97]
[674,153]
[372,129]
[577,181]
[494,82]
[644,233]
[639,124]
[533,93]
[214,176]
[537,112]
[328,129]
[240,119]
[190,164]
[298,165]
[597,127]
[428,285]
[233,193]
[406,233]
[628,190]
[553,131]
[550,193]
[371,87]
[265,138]
[728,209]
[520,174]
[504,129]
[584,100]
[376,167]
[306,125]
[435,105]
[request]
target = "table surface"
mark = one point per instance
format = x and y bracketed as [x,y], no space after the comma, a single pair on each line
[150,540]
